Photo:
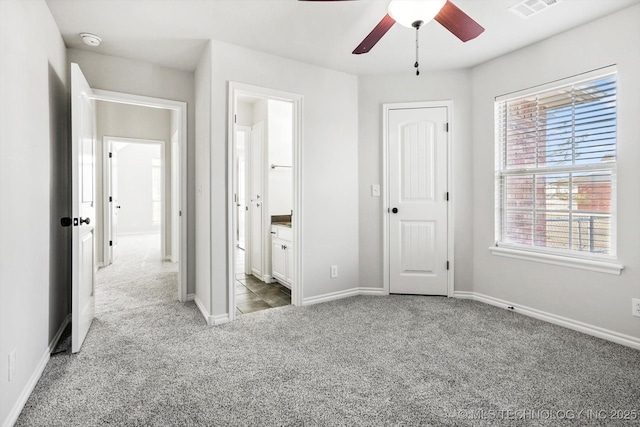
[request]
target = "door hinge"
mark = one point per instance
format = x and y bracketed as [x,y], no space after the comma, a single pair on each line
[447,265]
[446,127]
[235,118]
[110,199]
[447,196]
[110,242]
[110,155]
[179,213]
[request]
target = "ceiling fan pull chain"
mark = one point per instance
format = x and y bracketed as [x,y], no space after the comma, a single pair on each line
[417,26]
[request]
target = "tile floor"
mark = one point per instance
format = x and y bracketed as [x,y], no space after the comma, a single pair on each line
[255,295]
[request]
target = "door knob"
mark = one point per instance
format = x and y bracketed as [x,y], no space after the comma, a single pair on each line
[394,210]
[85,221]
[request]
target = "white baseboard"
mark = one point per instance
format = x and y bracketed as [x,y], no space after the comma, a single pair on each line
[35,376]
[575,325]
[342,294]
[191,297]
[211,320]
[203,310]
[220,319]
[371,291]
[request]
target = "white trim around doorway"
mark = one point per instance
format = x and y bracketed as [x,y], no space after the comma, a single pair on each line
[239,89]
[107,182]
[448,104]
[180,108]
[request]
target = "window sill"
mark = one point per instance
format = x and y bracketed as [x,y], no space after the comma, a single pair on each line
[564,261]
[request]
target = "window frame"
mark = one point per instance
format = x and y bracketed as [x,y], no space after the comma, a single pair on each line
[565,257]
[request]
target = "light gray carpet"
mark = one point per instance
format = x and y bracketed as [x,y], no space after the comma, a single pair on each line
[397,360]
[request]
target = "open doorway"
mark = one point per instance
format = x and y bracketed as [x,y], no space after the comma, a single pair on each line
[151,132]
[136,189]
[264,168]
[135,230]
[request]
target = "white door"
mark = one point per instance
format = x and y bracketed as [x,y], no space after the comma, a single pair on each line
[256,202]
[112,201]
[278,259]
[418,201]
[243,135]
[83,207]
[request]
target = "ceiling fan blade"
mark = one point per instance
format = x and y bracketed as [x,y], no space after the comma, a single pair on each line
[459,23]
[375,35]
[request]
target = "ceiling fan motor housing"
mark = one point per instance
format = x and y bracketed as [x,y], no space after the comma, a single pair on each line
[408,12]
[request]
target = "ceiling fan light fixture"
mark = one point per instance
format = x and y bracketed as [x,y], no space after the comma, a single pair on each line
[406,12]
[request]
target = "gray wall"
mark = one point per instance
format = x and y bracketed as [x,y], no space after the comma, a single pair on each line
[202,180]
[35,251]
[141,78]
[329,165]
[597,299]
[375,90]
[130,121]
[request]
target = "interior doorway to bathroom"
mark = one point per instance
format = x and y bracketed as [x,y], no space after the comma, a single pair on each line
[265,177]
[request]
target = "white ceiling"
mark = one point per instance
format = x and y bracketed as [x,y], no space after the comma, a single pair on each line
[174,32]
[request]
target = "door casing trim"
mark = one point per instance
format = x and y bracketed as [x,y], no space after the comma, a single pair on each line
[448,104]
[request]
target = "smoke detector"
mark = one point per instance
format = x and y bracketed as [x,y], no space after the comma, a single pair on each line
[90,39]
[527,8]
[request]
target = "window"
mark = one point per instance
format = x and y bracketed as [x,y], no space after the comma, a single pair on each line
[556,167]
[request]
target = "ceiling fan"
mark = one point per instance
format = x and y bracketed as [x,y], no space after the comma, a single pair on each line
[416,13]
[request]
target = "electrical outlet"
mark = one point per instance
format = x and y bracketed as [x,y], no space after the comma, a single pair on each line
[375,190]
[334,271]
[12,364]
[635,307]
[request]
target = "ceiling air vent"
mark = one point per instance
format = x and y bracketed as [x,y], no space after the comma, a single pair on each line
[527,8]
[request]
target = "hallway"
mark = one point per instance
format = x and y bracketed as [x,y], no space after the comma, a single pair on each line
[137,277]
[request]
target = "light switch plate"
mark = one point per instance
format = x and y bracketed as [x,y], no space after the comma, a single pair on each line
[375,190]
[635,307]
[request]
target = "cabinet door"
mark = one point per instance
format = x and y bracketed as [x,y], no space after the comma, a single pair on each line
[278,259]
[289,269]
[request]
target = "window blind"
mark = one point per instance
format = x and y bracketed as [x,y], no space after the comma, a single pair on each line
[556,166]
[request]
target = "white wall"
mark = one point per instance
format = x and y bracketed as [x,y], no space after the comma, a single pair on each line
[135,163]
[597,299]
[130,121]
[141,78]
[244,113]
[34,180]
[202,181]
[280,152]
[375,90]
[329,165]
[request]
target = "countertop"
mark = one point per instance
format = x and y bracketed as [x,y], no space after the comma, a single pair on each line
[282,224]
